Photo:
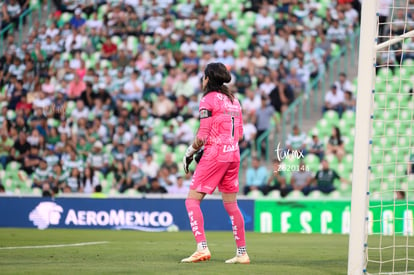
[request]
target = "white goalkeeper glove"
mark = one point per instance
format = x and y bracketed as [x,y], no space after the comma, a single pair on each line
[188,158]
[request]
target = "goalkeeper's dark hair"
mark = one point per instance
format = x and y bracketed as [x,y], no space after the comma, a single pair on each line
[217,75]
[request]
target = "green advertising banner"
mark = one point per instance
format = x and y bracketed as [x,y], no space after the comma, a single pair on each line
[327,217]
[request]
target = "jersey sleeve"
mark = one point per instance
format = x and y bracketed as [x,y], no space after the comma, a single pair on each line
[206,112]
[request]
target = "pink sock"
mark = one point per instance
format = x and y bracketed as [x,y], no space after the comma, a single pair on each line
[196,219]
[237,222]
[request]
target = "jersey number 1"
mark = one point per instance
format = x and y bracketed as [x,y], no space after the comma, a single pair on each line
[232,126]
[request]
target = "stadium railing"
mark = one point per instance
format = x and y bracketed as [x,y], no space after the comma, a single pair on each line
[263,137]
[3,32]
[25,17]
[294,114]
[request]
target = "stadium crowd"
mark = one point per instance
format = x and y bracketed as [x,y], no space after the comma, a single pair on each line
[106,93]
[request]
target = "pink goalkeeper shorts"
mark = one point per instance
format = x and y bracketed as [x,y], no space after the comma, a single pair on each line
[209,174]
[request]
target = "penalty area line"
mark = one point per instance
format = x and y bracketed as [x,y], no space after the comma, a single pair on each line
[52,245]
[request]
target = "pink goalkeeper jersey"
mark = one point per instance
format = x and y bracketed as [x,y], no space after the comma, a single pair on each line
[221,125]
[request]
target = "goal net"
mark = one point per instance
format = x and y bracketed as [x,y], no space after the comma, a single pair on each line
[382,230]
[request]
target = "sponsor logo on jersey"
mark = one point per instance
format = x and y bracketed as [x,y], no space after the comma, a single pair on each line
[230,148]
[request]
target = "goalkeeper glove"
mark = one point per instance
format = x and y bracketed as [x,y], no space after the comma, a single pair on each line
[188,158]
[198,155]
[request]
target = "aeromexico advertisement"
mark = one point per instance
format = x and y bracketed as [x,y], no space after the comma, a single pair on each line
[118,214]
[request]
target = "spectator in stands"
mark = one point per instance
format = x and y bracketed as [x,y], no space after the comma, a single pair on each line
[21,149]
[97,159]
[149,166]
[267,86]
[155,187]
[336,33]
[311,23]
[169,163]
[296,141]
[6,143]
[277,180]
[58,176]
[183,86]
[251,103]
[13,11]
[109,49]
[224,43]
[183,134]
[343,84]
[281,96]
[249,134]
[152,81]
[301,179]
[165,178]
[74,161]
[264,114]
[135,178]
[334,100]
[89,181]
[316,147]
[81,111]
[324,179]
[76,87]
[243,81]
[41,174]
[335,144]
[2,189]
[349,101]
[163,108]
[179,188]
[74,180]
[256,177]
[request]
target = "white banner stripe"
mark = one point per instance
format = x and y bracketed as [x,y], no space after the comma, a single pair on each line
[52,245]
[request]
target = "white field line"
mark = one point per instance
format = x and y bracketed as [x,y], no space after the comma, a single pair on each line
[51,246]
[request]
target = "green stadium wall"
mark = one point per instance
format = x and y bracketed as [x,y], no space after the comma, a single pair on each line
[329,217]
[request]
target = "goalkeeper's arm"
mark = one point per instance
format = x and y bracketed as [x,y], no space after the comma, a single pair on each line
[191,150]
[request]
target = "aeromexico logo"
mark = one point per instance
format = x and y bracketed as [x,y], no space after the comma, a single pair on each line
[50,213]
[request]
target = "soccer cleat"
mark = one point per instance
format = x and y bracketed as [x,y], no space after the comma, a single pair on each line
[198,256]
[243,259]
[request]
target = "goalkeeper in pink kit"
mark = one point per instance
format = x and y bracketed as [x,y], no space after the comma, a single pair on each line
[221,128]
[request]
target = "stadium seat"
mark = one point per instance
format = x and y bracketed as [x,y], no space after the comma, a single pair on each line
[332,160]
[250,18]
[324,128]
[312,162]
[255,194]
[315,194]
[331,117]
[274,194]
[131,192]
[349,117]
[36,192]
[295,194]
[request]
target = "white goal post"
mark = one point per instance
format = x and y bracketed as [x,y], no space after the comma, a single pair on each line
[391,249]
[366,77]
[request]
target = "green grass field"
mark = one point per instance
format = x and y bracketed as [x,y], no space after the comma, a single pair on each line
[133,252]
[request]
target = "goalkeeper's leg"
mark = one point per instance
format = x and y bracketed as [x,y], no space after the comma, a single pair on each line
[237,222]
[195,215]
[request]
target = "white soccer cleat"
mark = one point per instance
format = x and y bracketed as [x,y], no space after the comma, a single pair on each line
[243,259]
[198,256]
